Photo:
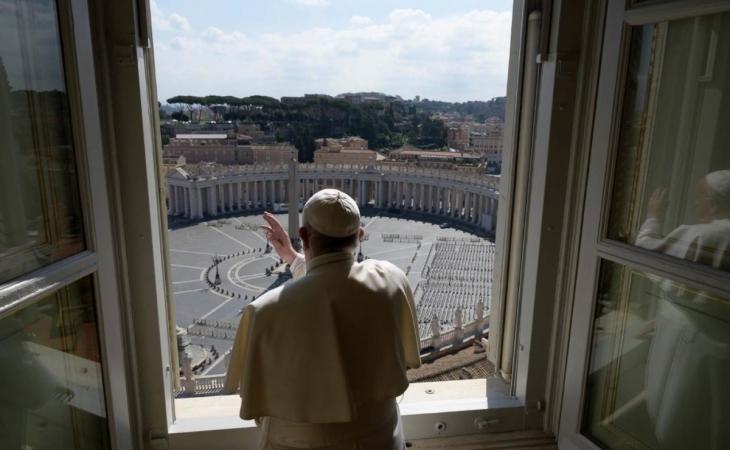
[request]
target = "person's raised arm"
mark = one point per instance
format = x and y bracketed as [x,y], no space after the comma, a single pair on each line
[648,236]
[279,239]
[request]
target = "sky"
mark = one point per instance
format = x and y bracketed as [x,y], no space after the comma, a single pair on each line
[454,50]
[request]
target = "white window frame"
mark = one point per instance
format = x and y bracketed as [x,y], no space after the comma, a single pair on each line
[595,246]
[98,260]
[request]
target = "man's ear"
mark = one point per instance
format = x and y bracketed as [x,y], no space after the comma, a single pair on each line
[361,234]
[304,236]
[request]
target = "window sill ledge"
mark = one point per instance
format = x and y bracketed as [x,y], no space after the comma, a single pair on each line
[456,403]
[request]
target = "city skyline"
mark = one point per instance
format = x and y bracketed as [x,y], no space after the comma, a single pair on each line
[292,47]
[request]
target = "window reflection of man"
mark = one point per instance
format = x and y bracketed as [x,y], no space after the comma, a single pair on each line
[688,365]
[708,240]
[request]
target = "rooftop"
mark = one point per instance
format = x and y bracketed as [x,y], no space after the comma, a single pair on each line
[202,136]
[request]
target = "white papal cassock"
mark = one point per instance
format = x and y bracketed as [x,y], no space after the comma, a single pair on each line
[321,359]
[688,366]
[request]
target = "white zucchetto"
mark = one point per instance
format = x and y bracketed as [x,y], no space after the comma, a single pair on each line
[332,213]
[719,182]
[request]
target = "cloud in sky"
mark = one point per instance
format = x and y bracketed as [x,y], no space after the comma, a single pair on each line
[360,20]
[410,52]
[312,2]
[167,22]
[180,22]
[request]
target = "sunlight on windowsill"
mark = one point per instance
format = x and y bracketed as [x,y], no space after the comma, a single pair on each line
[221,412]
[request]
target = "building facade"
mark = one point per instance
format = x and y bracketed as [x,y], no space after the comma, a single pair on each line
[226,149]
[349,150]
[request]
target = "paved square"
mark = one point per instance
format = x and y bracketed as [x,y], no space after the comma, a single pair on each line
[211,316]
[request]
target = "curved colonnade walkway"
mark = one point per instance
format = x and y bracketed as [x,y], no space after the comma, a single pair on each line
[196,192]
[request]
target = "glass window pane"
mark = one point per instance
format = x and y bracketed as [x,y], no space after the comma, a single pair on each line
[671,192]
[659,365]
[51,389]
[40,218]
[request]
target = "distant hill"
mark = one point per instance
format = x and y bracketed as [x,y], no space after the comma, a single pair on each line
[479,110]
[386,121]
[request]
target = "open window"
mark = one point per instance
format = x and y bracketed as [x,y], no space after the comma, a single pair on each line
[426,175]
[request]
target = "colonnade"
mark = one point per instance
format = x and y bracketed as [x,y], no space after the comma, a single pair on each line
[471,199]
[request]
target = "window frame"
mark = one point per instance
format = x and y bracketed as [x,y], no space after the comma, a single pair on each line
[97,260]
[595,246]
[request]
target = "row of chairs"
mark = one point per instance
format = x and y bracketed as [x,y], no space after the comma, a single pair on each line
[456,281]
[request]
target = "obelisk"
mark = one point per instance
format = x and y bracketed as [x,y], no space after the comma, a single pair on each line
[293,201]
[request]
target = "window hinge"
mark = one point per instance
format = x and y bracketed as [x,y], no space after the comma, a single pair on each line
[543,49]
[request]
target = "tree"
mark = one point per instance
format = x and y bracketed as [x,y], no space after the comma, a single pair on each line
[177,115]
[189,103]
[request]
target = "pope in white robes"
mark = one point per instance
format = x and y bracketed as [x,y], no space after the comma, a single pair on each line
[319,361]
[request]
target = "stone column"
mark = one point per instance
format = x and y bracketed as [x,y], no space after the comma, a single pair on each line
[172,192]
[265,196]
[475,208]
[399,194]
[457,204]
[431,198]
[450,201]
[170,200]
[467,207]
[222,198]
[198,203]
[426,191]
[446,201]
[378,194]
[427,198]
[193,201]
[255,193]
[239,192]
[186,202]
[293,199]
[212,200]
